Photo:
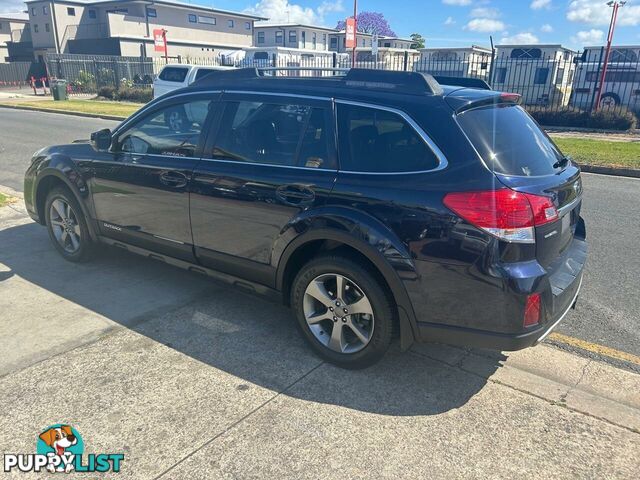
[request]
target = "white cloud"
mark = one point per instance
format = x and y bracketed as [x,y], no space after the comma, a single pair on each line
[450,21]
[281,11]
[596,12]
[540,4]
[486,25]
[12,6]
[523,38]
[588,37]
[484,12]
[460,3]
[546,28]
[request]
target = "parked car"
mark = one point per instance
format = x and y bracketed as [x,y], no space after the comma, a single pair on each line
[377,204]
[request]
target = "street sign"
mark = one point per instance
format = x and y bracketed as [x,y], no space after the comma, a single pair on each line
[350,33]
[159,40]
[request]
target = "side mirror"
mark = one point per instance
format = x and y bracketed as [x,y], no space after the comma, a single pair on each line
[101,140]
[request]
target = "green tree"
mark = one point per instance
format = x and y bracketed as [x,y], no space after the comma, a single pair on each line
[418,40]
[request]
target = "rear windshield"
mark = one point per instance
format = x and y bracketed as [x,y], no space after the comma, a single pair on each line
[173,74]
[509,141]
[203,72]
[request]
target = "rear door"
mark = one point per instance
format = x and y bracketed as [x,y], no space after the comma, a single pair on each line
[525,159]
[271,161]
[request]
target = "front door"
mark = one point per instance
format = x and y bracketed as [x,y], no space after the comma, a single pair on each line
[271,161]
[140,189]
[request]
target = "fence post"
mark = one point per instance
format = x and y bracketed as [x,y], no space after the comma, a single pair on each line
[116,74]
[335,60]
[598,87]
[406,60]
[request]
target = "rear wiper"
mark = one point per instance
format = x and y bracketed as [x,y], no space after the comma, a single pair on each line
[562,162]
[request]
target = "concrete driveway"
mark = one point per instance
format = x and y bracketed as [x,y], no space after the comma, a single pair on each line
[194,379]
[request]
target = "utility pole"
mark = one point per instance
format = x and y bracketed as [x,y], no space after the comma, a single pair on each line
[612,26]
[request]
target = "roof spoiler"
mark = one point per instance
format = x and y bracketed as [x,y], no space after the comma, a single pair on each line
[462,82]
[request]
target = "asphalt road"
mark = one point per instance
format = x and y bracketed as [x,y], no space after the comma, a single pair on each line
[608,311]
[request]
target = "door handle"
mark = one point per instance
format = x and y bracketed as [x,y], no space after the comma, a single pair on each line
[173,179]
[295,194]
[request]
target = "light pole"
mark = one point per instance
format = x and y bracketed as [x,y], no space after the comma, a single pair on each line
[355,33]
[612,26]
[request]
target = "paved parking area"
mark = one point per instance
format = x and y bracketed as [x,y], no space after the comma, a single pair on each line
[194,379]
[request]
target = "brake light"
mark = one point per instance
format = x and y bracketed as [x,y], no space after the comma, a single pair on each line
[532,310]
[510,97]
[505,213]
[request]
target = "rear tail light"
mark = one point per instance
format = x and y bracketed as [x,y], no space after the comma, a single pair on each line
[509,215]
[510,97]
[532,310]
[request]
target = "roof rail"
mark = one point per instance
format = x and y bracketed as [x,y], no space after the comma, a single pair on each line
[402,82]
[462,82]
[405,82]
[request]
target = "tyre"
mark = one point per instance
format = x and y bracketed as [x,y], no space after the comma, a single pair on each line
[176,119]
[67,226]
[609,100]
[344,311]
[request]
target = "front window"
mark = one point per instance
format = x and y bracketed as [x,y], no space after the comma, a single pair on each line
[173,131]
[378,141]
[274,134]
[260,37]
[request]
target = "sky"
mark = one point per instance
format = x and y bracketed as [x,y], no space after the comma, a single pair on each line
[454,23]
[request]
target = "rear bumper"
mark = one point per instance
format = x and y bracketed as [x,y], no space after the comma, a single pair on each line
[469,337]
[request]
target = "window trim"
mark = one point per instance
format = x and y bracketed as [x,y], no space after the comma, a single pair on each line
[442,159]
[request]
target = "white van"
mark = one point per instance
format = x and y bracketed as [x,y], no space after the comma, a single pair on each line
[174,76]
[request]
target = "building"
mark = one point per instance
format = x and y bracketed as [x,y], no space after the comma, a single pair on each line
[303,37]
[15,37]
[468,62]
[392,53]
[542,74]
[125,27]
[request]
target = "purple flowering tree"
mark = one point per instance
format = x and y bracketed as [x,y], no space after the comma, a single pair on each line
[371,22]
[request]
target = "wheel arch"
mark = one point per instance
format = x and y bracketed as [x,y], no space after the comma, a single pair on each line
[315,241]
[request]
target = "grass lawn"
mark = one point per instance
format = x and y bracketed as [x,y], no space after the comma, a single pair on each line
[99,107]
[601,152]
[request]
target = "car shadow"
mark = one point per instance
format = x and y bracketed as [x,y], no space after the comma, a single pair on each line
[234,331]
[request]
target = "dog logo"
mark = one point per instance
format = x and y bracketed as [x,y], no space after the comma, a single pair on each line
[62,441]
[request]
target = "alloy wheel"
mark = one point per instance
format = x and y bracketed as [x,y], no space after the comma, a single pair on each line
[338,313]
[65,225]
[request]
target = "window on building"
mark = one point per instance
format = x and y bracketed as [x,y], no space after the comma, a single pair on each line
[363,42]
[206,20]
[92,14]
[314,40]
[71,11]
[274,134]
[303,39]
[260,37]
[560,76]
[193,18]
[334,42]
[279,36]
[374,140]
[623,55]
[247,25]
[387,44]
[261,56]
[230,23]
[151,12]
[45,10]
[541,76]
[33,11]
[526,53]
[324,39]
[35,28]
[444,56]
[293,37]
[0,25]
[47,28]
[344,41]
[501,74]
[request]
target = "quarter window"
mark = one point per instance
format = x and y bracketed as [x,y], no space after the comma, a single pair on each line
[173,74]
[274,134]
[173,131]
[378,141]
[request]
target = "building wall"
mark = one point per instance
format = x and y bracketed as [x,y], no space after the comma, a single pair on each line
[305,42]
[41,20]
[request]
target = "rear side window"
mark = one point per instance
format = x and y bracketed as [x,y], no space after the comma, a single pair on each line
[509,141]
[274,134]
[379,141]
[203,72]
[173,74]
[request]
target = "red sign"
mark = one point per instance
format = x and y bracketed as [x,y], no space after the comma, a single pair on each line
[159,40]
[351,33]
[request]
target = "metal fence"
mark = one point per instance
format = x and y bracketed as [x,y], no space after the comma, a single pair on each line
[15,74]
[563,81]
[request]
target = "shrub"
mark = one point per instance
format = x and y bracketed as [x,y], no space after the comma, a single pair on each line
[607,119]
[107,92]
[132,94]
